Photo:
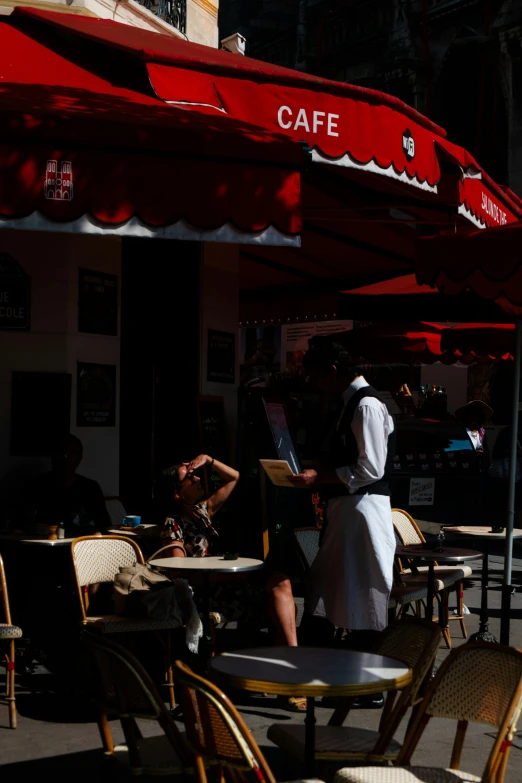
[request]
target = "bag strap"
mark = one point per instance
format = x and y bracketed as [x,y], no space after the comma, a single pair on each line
[174,545]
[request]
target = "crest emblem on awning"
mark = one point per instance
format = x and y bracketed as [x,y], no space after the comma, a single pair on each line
[408,145]
[58,185]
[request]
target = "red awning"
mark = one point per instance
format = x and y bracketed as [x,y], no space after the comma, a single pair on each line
[81,152]
[492,341]
[345,125]
[342,123]
[480,199]
[372,137]
[489,263]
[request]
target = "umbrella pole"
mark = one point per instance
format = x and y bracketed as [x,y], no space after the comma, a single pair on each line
[508,555]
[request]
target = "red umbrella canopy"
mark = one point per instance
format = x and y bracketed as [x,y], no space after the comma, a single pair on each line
[491,341]
[404,342]
[487,262]
[422,342]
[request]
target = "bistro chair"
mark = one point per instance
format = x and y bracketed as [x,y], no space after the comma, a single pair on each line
[115,509]
[96,560]
[123,688]
[479,682]
[412,641]
[402,596]
[217,733]
[447,577]
[8,633]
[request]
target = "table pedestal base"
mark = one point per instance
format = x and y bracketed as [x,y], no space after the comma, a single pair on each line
[310,736]
[483,635]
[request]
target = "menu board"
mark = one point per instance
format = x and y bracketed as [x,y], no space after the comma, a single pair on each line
[284,444]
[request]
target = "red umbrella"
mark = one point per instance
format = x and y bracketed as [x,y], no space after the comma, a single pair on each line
[489,263]
[422,342]
[484,341]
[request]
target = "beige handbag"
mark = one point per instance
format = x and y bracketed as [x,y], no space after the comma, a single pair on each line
[140,576]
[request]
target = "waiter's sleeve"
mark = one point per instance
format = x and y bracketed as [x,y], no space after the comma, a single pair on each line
[369,425]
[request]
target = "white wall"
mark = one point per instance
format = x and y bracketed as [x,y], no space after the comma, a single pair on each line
[220,310]
[53,343]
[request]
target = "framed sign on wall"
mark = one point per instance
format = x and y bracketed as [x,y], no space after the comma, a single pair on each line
[96,395]
[97,302]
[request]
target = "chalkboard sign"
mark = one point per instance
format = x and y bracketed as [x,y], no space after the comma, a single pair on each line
[40,412]
[213,431]
[97,302]
[15,295]
[96,395]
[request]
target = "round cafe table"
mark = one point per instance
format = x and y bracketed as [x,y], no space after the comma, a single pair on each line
[440,554]
[207,566]
[310,672]
[485,535]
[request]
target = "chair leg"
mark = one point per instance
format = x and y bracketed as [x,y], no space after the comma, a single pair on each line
[105,732]
[10,683]
[460,608]
[169,674]
[444,611]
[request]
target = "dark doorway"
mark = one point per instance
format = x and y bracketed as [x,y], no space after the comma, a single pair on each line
[160,361]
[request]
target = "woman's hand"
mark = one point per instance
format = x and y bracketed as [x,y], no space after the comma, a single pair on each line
[197,462]
[305,479]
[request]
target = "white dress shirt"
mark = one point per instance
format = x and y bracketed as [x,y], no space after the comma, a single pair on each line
[371,425]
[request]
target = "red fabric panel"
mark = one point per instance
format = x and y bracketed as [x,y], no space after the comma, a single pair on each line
[492,340]
[132,154]
[333,124]
[398,286]
[488,262]
[484,204]
[471,195]
[113,187]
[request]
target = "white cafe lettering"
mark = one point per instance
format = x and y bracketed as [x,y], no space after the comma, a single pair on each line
[493,210]
[310,122]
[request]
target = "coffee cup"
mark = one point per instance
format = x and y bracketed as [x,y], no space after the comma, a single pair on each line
[131,521]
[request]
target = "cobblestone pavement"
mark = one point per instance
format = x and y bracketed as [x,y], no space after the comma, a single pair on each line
[57,737]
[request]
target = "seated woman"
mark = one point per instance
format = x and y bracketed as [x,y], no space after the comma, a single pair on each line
[189,516]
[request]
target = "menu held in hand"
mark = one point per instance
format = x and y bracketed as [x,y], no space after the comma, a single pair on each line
[279,471]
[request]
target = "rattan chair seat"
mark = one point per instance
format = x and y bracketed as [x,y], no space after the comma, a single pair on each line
[157,756]
[458,571]
[406,594]
[10,631]
[403,775]
[330,741]
[114,623]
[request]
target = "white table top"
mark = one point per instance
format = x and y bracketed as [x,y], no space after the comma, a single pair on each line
[215,564]
[480,532]
[310,671]
[444,554]
[34,538]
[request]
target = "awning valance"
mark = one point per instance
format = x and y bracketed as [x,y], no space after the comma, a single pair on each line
[80,152]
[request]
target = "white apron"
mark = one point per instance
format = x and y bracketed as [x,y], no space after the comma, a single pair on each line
[351,577]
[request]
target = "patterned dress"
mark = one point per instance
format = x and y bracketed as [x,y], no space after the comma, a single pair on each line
[239,601]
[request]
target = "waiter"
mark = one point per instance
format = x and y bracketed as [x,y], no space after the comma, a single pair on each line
[351,578]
